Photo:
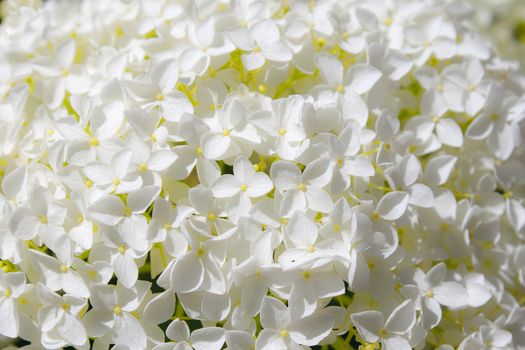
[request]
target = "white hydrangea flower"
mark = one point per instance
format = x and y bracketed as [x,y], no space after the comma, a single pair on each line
[259,175]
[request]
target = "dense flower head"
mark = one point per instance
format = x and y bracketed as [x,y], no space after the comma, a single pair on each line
[268,175]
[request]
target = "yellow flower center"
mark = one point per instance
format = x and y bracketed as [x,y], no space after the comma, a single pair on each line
[7,293]
[64,268]
[284,333]
[262,88]
[117,310]
[200,251]
[122,249]
[43,219]
[244,187]
[383,333]
[94,142]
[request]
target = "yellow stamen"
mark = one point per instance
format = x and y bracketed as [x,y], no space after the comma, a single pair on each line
[94,142]
[117,310]
[122,249]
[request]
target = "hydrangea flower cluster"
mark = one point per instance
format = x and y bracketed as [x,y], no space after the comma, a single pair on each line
[267,175]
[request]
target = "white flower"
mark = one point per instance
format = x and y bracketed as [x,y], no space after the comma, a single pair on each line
[236,169]
[262,41]
[282,331]
[391,333]
[58,319]
[12,285]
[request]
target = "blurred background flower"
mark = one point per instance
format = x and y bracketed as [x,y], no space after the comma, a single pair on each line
[503,23]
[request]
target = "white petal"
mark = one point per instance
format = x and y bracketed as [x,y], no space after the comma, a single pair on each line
[358,273]
[160,308]
[480,128]
[178,330]
[312,329]
[258,184]
[431,313]
[241,38]
[226,186]
[439,168]
[303,299]
[396,343]
[252,60]
[301,230]
[216,307]
[402,318]
[108,210]
[165,75]
[451,294]
[449,132]
[215,146]
[274,314]
[9,320]
[331,69]
[161,160]
[139,200]
[187,274]
[277,52]
[13,182]
[126,270]
[128,331]
[72,330]
[362,77]
[209,338]
[421,196]
[368,324]
[393,205]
